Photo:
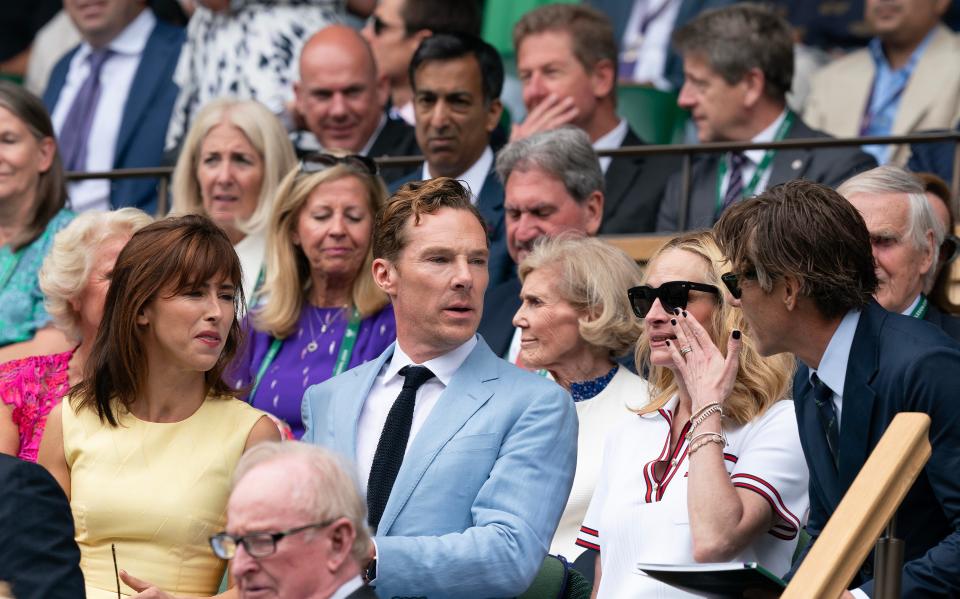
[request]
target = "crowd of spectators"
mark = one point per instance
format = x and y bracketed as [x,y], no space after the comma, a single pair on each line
[306,370]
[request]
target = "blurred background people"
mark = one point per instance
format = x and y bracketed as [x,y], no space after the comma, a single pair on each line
[322,312]
[575,322]
[712,468]
[74,280]
[902,82]
[905,235]
[938,194]
[342,100]
[245,50]
[33,196]
[304,494]
[148,441]
[111,98]
[739,65]
[553,184]
[567,64]
[232,162]
[396,29]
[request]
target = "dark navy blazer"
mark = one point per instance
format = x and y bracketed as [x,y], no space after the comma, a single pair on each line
[146,114]
[897,364]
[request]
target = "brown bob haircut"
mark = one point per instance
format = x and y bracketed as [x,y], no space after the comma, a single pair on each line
[160,260]
[415,199]
[807,231]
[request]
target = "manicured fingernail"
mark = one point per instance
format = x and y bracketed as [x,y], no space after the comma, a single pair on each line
[668,342]
[684,313]
[676,311]
[673,321]
[736,334]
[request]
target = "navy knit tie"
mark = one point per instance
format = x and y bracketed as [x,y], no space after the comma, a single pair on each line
[393,443]
[827,414]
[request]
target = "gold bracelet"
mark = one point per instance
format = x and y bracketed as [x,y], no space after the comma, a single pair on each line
[702,415]
[704,409]
[719,439]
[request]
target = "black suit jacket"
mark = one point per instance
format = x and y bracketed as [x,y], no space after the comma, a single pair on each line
[897,364]
[634,187]
[395,139]
[500,303]
[830,166]
[38,555]
[948,323]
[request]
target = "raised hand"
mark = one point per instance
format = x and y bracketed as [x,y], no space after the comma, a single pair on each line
[551,113]
[706,374]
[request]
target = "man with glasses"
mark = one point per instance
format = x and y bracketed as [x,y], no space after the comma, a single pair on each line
[803,273]
[906,236]
[395,31]
[295,526]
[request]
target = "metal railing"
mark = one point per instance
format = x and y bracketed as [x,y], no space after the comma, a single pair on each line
[688,151]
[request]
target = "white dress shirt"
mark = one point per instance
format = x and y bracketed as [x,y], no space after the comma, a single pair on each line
[474,177]
[384,392]
[611,141]
[116,79]
[754,157]
[833,364]
[652,47]
[347,588]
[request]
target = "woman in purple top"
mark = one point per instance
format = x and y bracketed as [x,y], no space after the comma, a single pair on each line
[319,311]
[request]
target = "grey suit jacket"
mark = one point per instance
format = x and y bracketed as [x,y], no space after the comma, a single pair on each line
[830,166]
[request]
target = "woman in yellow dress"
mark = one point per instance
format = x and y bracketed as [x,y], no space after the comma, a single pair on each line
[146,446]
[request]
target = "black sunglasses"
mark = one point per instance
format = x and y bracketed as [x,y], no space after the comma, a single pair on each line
[672,294]
[316,162]
[732,281]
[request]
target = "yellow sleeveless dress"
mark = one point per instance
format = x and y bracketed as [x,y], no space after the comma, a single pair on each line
[157,491]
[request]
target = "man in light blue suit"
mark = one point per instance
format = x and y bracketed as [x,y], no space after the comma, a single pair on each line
[466,472]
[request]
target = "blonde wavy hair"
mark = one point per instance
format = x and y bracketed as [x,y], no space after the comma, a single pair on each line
[288,272]
[264,132]
[67,266]
[593,276]
[760,383]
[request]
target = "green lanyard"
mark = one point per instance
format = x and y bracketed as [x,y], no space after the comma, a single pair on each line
[920,311]
[343,358]
[762,168]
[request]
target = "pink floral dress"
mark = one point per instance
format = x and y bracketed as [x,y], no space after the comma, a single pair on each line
[32,387]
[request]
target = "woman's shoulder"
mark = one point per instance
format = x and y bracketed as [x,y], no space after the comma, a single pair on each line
[34,376]
[227,407]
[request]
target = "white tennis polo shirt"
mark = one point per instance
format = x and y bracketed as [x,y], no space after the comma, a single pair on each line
[636,517]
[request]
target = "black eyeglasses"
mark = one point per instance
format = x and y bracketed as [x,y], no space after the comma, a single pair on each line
[672,294]
[257,544]
[949,249]
[732,281]
[379,25]
[316,162]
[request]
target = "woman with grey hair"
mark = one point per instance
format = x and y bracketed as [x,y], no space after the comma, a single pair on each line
[575,321]
[74,279]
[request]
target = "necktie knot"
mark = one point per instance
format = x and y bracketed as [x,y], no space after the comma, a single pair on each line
[97,58]
[822,393]
[738,160]
[415,376]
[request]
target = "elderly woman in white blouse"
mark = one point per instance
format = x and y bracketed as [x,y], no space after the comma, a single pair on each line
[575,321]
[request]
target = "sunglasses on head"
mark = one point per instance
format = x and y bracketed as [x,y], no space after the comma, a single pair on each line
[316,162]
[732,282]
[673,294]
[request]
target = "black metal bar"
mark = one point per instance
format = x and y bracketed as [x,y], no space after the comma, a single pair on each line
[888,563]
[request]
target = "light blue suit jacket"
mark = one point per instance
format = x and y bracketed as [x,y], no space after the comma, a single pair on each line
[482,486]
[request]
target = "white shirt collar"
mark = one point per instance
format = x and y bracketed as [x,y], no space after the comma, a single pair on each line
[365,151]
[474,177]
[611,141]
[913,306]
[348,587]
[443,367]
[767,134]
[833,364]
[132,40]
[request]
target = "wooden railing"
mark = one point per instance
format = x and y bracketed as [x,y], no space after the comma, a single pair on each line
[865,510]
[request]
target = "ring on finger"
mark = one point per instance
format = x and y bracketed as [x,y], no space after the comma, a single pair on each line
[685,350]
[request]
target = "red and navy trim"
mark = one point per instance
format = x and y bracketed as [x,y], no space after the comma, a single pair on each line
[788,525]
[657,487]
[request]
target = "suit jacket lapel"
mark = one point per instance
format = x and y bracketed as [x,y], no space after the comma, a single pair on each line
[466,394]
[621,175]
[348,403]
[703,193]
[858,396]
[926,82]
[818,453]
[791,164]
[143,88]
[490,201]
